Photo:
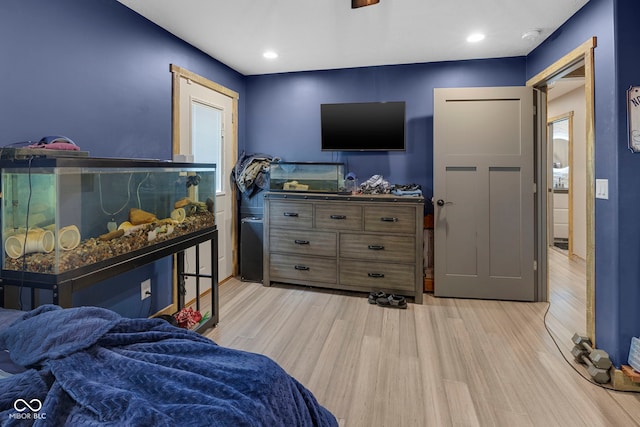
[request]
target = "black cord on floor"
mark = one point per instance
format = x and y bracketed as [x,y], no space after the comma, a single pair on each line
[571,364]
[142,304]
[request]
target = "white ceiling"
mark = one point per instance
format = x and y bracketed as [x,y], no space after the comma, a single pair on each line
[563,86]
[328,34]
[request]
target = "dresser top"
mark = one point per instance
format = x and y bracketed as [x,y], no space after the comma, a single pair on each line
[345,197]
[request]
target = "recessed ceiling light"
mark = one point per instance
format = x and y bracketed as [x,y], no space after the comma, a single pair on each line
[270,54]
[475,37]
[531,35]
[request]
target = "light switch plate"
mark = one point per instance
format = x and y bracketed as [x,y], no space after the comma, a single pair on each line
[602,188]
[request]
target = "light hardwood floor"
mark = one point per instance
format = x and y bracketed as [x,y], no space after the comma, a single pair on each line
[447,362]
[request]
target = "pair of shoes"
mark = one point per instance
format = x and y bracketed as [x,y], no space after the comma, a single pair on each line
[373,296]
[393,301]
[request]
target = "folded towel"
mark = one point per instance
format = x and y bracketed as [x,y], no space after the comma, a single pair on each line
[406,192]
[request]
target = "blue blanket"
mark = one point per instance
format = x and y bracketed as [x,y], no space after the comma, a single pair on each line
[89,366]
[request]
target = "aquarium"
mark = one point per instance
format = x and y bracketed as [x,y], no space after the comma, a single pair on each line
[307,177]
[66,216]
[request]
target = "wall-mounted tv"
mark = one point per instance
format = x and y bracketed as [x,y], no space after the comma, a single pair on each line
[364,126]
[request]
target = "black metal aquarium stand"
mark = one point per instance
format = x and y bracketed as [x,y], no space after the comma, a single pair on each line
[65,284]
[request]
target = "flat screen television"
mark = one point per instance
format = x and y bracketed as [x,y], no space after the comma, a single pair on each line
[364,126]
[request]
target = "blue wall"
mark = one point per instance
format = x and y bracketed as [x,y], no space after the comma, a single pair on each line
[628,235]
[284,111]
[98,73]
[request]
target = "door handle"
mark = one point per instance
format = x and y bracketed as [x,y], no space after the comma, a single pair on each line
[441,202]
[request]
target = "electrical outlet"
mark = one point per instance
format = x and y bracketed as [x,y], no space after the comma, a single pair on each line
[145,289]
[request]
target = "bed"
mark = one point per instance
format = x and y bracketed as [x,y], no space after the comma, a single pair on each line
[90,366]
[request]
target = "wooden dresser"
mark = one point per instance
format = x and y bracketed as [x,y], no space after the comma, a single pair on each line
[357,243]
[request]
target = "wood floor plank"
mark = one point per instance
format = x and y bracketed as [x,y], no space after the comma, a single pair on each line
[432,399]
[385,413]
[310,318]
[363,388]
[344,371]
[460,404]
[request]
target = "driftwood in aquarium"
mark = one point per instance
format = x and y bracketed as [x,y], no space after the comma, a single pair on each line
[112,235]
[138,216]
[191,206]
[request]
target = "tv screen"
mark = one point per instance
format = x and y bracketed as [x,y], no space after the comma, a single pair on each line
[366,126]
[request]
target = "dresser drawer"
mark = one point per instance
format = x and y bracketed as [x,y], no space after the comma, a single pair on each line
[338,217]
[378,275]
[302,268]
[378,247]
[390,219]
[290,214]
[303,242]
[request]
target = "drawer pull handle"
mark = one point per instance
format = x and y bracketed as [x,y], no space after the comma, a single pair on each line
[338,217]
[302,267]
[301,242]
[294,214]
[388,219]
[376,247]
[376,275]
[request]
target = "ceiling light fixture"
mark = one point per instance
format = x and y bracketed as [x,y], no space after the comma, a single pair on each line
[531,35]
[360,3]
[270,54]
[475,37]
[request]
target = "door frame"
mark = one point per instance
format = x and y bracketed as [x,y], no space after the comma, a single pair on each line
[584,52]
[178,72]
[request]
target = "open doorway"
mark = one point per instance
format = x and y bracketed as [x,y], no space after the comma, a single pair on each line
[566,112]
[205,131]
[567,201]
[572,79]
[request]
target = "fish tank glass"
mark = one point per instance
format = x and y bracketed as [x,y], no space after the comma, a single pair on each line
[307,177]
[65,215]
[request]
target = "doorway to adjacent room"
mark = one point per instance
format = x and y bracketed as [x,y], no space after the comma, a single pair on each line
[205,131]
[569,84]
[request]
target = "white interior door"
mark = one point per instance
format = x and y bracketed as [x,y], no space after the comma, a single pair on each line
[206,125]
[484,193]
